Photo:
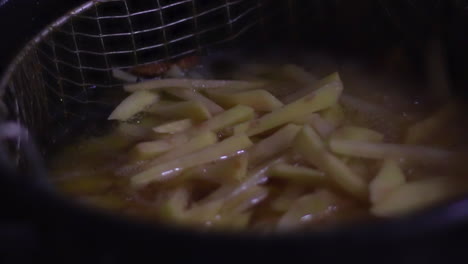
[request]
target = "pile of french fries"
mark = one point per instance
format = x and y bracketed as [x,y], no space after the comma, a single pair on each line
[238,135]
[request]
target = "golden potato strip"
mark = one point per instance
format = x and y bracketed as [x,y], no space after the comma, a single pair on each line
[322,126]
[232,221]
[311,88]
[287,198]
[254,178]
[133,104]
[225,119]
[175,72]
[162,172]
[150,149]
[203,213]
[191,109]
[191,84]
[133,131]
[232,170]
[297,174]
[424,130]
[358,134]
[231,117]
[298,74]
[371,150]
[309,144]
[239,167]
[273,145]
[176,205]
[388,179]
[241,128]
[260,100]
[246,200]
[174,127]
[335,114]
[124,76]
[318,100]
[196,143]
[190,95]
[418,195]
[309,208]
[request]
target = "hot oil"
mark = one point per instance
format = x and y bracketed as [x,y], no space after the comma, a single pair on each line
[88,170]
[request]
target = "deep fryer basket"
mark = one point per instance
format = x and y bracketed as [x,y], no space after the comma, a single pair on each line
[57,79]
[64,75]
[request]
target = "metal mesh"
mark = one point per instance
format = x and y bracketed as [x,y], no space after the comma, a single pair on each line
[75,56]
[122,34]
[62,74]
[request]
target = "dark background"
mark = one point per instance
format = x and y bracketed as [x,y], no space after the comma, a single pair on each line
[20,20]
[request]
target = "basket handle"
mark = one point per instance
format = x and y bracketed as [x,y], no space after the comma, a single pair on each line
[34,168]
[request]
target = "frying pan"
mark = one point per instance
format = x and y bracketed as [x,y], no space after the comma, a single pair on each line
[39,224]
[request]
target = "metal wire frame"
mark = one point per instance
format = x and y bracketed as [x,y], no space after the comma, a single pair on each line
[76,54]
[70,37]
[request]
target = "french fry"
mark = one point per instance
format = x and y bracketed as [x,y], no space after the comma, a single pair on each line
[225,119]
[423,131]
[260,100]
[298,74]
[241,128]
[388,179]
[232,221]
[322,126]
[246,200]
[311,88]
[175,207]
[162,172]
[190,95]
[371,150]
[151,149]
[414,196]
[231,117]
[318,100]
[203,213]
[308,208]
[255,177]
[133,131]
[133,104]
[297,174]
[174,127]
[191,109]
[196,143]
[224,172]
[239,167]
[309,144]
[335,114]
[124,76]
[273,145]
[175,72]
[287,198]
[357,133]
[191,84]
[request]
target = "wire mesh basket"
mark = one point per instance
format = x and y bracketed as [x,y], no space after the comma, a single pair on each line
[61,76]
[67,64]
